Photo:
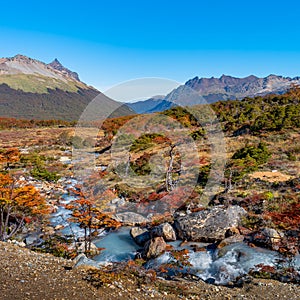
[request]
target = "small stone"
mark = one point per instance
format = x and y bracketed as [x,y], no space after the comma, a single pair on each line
[140,235]
[165,230]
[154,248]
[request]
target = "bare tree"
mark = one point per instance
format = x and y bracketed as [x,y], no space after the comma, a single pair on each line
[170,184]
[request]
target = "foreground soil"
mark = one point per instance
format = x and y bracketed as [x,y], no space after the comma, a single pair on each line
[29,275]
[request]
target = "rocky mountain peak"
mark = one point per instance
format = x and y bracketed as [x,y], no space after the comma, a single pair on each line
[22,64]
[55,64]
[20,57]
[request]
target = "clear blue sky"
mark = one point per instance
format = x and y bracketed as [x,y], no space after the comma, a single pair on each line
[107,42]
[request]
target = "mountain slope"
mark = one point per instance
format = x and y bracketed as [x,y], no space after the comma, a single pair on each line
[147,105]
[31,89]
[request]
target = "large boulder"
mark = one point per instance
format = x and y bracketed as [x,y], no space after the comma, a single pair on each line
[209,225]
[154,247]
[130,218]
[140,235]
[164,230]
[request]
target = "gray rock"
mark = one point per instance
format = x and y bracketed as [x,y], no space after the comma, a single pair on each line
[82,261]
[32,239]
[164,230]
[79,259]
[154,247]
[130,218]
[231,240]
[93,249]
[140,235]
[272,235]
[118,202]
[208,225]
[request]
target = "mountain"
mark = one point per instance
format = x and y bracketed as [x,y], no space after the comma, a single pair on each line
[201,90]
[32,89]
[237,88]
[161,106]
[147,105]
[58,66]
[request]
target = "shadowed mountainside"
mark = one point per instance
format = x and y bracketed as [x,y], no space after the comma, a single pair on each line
[31,89]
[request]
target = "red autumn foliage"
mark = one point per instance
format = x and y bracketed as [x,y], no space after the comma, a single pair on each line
[161,139]
[111,126]
[266,269]
[6,123]
[156,196]
[288,217]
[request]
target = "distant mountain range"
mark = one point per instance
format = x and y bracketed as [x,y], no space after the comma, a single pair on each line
[209,90]
[32,89]
[151,105]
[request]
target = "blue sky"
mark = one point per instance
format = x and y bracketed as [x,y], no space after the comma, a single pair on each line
[108,42]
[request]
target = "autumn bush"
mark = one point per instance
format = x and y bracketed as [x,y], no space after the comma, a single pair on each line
[9,156]
[18,204]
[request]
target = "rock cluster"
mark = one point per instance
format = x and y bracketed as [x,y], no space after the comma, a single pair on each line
[209,225]
[153,240]
[214,225]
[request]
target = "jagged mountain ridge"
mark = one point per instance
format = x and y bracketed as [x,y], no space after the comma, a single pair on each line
[201,90]
[31,75]
[55,64]
[32,89]
[21,64]
[241,87]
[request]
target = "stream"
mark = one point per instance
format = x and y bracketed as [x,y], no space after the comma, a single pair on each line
[218,266]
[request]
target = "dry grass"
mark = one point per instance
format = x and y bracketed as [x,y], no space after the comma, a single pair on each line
[270,176]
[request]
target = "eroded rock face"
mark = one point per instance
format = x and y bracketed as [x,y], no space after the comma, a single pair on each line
[164,230]
[208,225]
[154,247]
[140,235]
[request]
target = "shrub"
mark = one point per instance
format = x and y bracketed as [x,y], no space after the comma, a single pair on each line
[41,173]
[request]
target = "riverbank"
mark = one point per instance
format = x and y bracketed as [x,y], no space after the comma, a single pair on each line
[29,275]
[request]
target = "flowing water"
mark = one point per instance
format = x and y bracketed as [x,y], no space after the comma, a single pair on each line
[119,246]
[61,216]
[214,265]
